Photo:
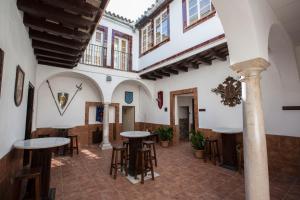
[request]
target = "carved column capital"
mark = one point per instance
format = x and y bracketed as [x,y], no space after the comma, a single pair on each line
[251,67]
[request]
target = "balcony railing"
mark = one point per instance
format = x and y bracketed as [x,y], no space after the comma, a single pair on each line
[94,55]
[122,60]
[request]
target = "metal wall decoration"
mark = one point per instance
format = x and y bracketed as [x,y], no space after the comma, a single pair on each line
[160,99]
[1,67]
[62,99]
[230,91]
[19,84]
[128,97]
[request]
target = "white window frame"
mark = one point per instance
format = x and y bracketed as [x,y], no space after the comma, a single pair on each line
[198,11]
[146,43]
[101,41]
[160,27]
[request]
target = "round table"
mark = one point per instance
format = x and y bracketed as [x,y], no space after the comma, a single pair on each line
[229,141]
[41,158]
[135,142]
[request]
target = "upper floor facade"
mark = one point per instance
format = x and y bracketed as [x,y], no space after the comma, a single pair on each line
[167,28]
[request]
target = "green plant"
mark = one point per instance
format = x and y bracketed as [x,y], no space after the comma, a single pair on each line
[197,140]
[165,133]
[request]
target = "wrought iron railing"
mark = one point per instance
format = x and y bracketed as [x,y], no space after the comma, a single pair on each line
[122,60]
[94,55]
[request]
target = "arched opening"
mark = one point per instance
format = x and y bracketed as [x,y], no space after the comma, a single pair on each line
[50,110]
[132,96]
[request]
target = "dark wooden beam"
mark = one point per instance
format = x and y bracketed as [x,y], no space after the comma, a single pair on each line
[145,76]
[192,65]
[183,68]
[171,70]
[290,107]
[218,56]
[42,25]
[52,39]
[54,14]
[55,48]
[46,59]
[203,60]
[77,6]
[155,75]
[162,73]
[49,54]
[55,64]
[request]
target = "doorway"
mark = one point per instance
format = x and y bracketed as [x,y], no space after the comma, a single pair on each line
[29,114]
[184,122]
[128,118]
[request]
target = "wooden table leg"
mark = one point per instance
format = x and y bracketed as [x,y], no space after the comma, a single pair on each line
[41,158]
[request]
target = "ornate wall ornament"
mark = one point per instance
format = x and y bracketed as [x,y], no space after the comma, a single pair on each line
[160,99]
[128,97]
[231,92]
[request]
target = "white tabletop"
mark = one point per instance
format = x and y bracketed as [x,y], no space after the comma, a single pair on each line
[41,143]
[135,134]
[228,130]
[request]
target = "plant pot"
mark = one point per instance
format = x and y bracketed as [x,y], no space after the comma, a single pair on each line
[164,143]
[199,153]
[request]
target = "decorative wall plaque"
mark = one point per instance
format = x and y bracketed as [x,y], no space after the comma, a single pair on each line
[128,97]
[19,83]
[230,91]
[160,99]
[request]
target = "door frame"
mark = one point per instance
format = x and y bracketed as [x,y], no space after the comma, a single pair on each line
[133,115]
[29,117]
[173,94]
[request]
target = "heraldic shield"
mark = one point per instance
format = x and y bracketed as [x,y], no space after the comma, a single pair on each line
[128,97]
[62,98]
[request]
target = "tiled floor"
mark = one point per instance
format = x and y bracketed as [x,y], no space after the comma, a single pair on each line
[182,176]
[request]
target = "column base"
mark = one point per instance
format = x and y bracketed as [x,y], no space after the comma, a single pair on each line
[105,146]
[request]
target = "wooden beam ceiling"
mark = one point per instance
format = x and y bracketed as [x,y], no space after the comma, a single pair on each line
[61,30]
[206,57]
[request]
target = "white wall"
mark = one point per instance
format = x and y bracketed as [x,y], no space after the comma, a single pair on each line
[47,113]
[15,42]
[179,40]
[205,78]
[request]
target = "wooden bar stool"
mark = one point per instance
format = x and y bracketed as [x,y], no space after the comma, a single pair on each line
[151,145]
[211,150]
[119,160]
[71,147]
[144,164]
[126,145]
[28,174]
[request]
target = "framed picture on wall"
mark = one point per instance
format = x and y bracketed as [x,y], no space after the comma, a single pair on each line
[1,67]
[19,84]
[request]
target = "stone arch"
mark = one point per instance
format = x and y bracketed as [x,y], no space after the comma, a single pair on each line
[246,25]
[138,82]
[73,73]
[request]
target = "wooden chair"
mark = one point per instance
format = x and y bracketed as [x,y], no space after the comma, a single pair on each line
[28,174]
[118,160]
[151,145]
[43,135]
[144,164]
[211,150]
[71,147]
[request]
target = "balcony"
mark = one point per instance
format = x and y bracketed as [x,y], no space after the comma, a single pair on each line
[94,55]
[122,60]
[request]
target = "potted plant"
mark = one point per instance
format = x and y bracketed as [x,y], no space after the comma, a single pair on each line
[198,142]
[165,135]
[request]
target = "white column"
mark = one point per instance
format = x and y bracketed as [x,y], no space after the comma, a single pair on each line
[255,148]
[105,142]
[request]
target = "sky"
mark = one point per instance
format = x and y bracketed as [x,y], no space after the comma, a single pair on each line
[131,9]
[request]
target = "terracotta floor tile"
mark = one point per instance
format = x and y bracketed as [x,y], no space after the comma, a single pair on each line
[182,176]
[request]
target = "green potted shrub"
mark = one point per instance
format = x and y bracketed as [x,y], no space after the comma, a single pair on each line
[165,135]
[198,143]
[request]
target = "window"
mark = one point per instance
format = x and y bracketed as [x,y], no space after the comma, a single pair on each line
[161,26]
[197,9]
[147,37]
[99,37]
[121,56]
